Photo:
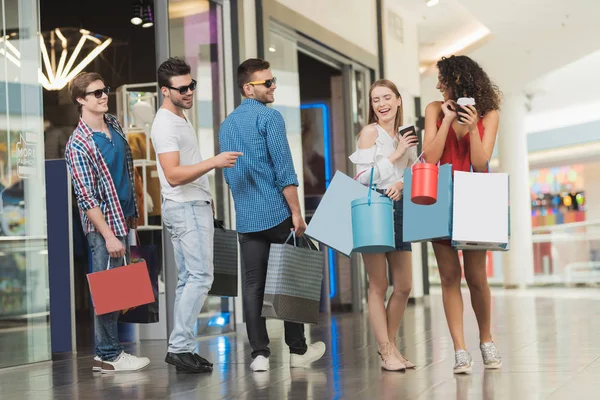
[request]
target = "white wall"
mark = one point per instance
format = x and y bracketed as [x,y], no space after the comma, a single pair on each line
[353,20]
[401,54]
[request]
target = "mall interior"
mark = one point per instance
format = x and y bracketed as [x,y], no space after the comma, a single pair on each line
[325,55]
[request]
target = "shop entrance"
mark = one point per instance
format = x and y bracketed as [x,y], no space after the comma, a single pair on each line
[322,97]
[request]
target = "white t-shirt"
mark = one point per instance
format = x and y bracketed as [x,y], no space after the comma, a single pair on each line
[172,133]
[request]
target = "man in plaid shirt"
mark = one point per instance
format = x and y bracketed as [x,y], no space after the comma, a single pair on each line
[101,167]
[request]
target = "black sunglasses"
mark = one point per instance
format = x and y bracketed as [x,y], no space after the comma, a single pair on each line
[268,83]
[183,89]
[98,93]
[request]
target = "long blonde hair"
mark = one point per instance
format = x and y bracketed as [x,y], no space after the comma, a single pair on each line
[399,114]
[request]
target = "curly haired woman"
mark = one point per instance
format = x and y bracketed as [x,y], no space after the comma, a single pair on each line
[465,144]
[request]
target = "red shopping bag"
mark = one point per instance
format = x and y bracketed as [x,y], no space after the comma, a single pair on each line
[120,288]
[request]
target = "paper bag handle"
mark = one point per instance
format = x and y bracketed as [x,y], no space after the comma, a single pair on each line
[110,258]
[308,241]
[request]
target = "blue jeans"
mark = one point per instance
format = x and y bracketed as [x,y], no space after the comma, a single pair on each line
[192,232]
[106,330]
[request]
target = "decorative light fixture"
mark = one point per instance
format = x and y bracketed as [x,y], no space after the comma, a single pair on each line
[136,18]
[147,16]
[58,76]
[431,3]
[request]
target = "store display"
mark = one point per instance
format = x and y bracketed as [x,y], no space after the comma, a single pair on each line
[136,108]
[557,196]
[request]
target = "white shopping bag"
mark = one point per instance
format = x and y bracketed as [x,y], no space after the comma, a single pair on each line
[480,219]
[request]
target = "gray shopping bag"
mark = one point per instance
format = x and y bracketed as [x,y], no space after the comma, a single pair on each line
[293,286]
[225,259]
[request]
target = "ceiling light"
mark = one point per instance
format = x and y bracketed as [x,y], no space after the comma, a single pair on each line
[147,17]
[431,3]
[136,15]
[50,75]
[272,49]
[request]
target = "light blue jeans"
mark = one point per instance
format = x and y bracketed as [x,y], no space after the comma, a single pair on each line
[192,231]
[106,326]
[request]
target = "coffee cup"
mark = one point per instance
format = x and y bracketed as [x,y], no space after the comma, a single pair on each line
[462,102]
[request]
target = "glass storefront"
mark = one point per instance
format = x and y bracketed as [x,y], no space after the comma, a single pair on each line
[24,302]
[196,35]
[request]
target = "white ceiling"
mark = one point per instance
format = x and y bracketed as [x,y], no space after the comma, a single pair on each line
[440,26]
[528,38]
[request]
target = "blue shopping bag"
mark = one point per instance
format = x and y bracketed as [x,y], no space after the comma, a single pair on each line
[433,222]
[331,223]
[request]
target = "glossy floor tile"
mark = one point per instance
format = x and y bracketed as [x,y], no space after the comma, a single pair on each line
[549,340]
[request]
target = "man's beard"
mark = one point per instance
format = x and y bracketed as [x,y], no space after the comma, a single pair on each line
[264,99]
[181,104]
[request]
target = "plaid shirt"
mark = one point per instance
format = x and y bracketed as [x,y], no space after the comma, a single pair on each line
[91,178]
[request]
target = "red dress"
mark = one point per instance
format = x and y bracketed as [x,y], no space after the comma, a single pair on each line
[458,153]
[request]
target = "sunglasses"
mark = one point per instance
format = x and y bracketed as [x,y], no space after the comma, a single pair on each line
[99,92]
[183,89]
[268,83]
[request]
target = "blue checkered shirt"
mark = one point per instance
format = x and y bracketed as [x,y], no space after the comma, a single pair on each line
[265,169]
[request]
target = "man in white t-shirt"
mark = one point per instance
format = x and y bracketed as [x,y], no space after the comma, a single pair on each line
[187,211]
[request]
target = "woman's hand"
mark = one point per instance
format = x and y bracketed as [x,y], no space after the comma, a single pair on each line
[404,143]
[449,110]
[470,117]
[395,191]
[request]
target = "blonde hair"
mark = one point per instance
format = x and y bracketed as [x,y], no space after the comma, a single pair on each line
[399,114]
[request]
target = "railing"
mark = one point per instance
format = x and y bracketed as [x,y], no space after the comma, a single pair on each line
[566,254]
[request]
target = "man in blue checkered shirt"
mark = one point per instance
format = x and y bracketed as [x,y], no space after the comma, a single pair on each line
[264,186]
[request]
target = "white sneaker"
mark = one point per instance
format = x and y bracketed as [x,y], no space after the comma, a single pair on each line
[314,352]
[124,363]
[260,364]
[97,364]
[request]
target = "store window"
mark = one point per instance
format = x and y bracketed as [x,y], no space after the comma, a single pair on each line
[24,304]
[196,35]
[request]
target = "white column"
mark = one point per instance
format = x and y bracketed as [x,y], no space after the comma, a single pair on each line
[513,157]
[417,272]
[591,179]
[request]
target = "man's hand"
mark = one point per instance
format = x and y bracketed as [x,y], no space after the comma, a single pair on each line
[299,224]
[227,159]
[115,248]
[132,222]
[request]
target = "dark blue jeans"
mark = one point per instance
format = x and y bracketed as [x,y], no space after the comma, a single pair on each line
[106,330]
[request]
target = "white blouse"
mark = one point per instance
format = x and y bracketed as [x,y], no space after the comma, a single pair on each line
[386,173]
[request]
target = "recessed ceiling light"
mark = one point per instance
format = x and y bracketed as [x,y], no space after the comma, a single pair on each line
[431,3]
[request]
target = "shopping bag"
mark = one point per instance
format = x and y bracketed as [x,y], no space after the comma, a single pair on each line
[331,223]
[117,289]
[433,222]
[147,313]
[481,211]
[373,222]
[225,259]
[293,285]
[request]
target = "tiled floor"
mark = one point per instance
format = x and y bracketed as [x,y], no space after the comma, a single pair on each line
[549,338]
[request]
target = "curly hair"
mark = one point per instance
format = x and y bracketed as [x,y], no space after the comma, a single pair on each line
[467,79]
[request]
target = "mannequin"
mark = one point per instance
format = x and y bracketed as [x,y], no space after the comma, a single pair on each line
[142,113]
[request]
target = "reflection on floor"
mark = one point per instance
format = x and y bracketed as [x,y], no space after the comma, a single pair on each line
[549,340]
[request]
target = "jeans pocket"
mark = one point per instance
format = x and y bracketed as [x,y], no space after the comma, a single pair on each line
[175,218]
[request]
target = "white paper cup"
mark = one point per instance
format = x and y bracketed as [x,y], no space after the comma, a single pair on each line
[461,102]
